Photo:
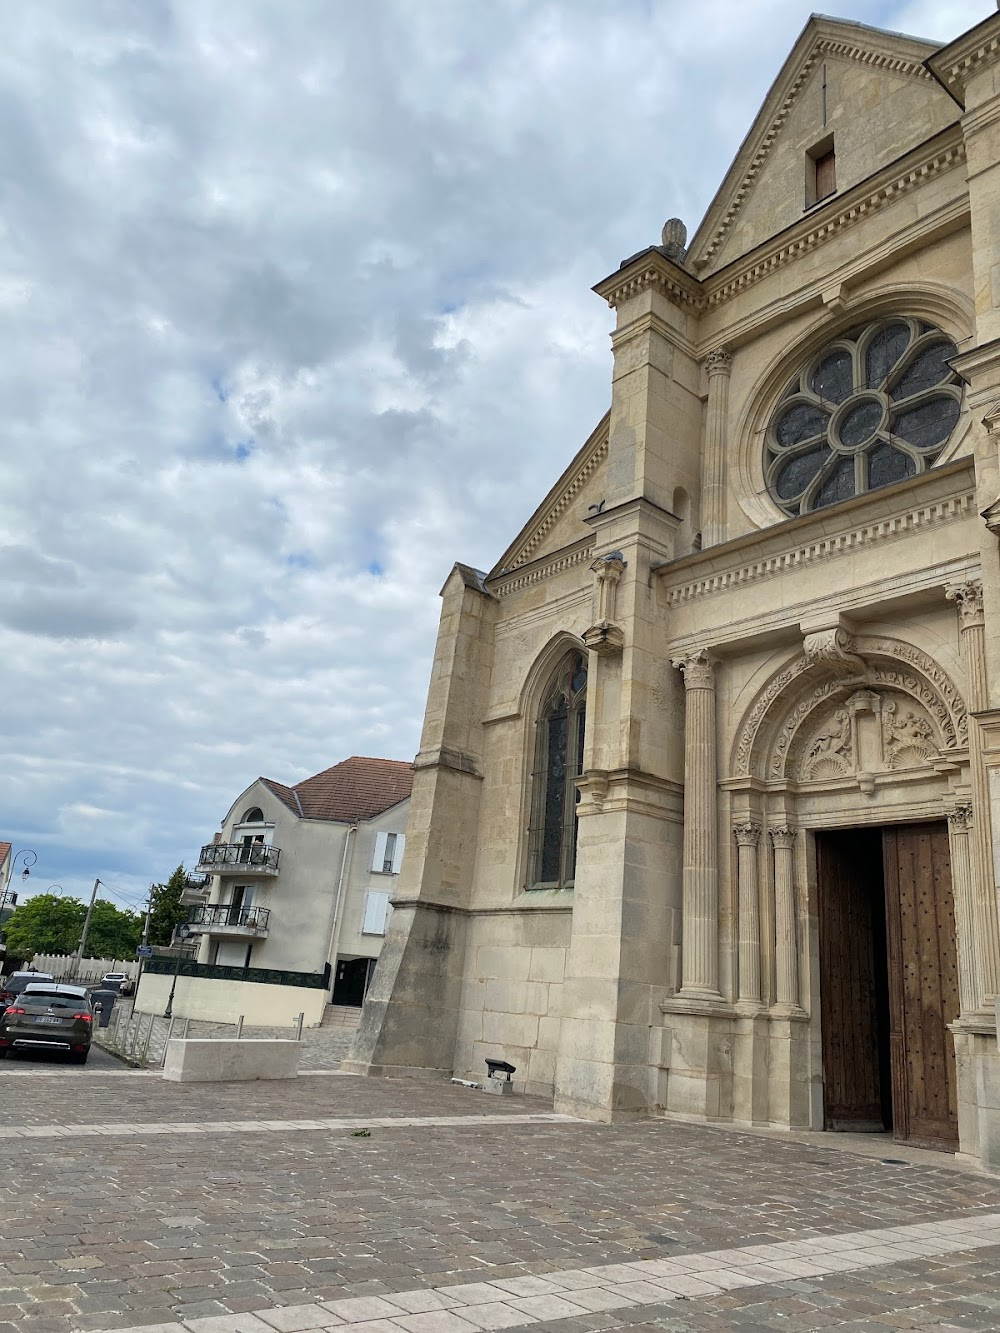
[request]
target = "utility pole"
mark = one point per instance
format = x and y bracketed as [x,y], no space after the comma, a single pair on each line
[145,936]
[86,927]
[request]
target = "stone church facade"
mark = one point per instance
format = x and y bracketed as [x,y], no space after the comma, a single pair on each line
[704,814]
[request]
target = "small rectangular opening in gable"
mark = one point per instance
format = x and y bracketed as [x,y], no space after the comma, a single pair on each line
[821,171]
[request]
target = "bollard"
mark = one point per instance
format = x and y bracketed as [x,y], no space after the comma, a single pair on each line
[149,1034]
[184,1029]
[239,1027]
[298,1026]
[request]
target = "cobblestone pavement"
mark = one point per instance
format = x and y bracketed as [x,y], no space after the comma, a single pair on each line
[454,1189]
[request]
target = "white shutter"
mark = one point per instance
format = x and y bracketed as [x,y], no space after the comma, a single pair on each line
[378,856]
[397,854]
[376,911]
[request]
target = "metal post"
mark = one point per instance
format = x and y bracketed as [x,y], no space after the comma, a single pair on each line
[169,1011]
[298,1027]
[166,1043]
[184,1029]
[86,927]
[149,1037]
[239,1027]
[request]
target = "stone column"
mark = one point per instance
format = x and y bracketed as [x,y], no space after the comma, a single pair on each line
[960,823]
[748,905]
[969,597]
[785,936]
[700,912]
[713,471]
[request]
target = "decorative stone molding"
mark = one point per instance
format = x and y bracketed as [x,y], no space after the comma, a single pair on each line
[698,670]
[969,597]
[831,751]
[783,835]
[606,637]
[960,818]
[504,585]
[747,834]
[907,737]
[961,60]
[797,555]
[824,46]
[887,659]
[719,362]
[833,649]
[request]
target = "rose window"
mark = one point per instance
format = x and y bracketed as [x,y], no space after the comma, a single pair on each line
[873,407]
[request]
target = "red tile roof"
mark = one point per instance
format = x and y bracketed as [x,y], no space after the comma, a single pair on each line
[357,788]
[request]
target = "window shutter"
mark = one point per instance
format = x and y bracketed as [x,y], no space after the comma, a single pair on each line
[397,855]
[378,856]
[376,912]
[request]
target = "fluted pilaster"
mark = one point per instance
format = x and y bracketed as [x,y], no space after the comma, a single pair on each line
[748,905]
[960,824]
[786,954]
[700,926]
[969,598]
[713,472]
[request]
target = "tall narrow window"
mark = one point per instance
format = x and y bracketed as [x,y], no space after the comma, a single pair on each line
[558,761]
[821,171]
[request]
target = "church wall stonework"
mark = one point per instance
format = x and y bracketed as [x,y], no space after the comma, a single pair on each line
[754,681]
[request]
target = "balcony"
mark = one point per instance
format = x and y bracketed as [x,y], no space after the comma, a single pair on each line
[195,890]
[235,923]
[238,858]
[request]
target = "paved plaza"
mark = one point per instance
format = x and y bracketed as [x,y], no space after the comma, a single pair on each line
[130,1203]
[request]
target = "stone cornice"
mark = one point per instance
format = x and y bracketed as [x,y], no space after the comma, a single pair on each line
[942,153]
[802,541]
[522,576]
[955,64]
[650,269]
[854,206]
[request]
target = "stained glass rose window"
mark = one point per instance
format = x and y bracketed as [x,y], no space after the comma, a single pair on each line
[873,407]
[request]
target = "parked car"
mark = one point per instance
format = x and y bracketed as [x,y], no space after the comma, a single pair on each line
[48,1016]
[16,982]
[119,981]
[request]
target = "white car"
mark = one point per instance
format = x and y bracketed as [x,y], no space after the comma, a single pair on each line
[119,981]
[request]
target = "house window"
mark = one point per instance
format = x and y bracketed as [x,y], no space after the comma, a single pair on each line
[821,172]
[253,816]
[377,911]
[558,761]
[388,854]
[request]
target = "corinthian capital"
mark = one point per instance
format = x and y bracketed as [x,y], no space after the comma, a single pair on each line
[747,834]
[960,818]
[783,835]
[698,670]
[969,597]
[719,362]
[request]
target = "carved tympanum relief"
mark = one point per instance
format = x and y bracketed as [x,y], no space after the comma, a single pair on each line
[868,732]
[793,730]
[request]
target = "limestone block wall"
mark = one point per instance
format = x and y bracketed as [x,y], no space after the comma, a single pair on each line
[511,1001]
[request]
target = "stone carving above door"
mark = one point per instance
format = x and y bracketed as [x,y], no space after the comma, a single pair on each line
[795,731]
[866,733]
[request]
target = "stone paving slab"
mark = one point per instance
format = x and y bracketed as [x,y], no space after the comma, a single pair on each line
[134,1230]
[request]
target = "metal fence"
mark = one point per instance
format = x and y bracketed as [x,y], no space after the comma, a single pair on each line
[141,1038]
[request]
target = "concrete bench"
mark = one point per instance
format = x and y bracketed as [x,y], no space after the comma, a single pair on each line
[194,1060]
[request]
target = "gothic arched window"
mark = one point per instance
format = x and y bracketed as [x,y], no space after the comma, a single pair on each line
[558,761]
[875,406]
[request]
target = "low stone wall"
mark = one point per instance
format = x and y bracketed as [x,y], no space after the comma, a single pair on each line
[220,1061]
[261,1005]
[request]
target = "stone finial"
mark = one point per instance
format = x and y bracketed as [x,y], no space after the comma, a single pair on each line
[674,238]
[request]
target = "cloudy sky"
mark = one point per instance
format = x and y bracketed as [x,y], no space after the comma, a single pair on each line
[295,308]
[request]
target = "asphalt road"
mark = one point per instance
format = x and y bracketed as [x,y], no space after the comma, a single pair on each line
[26,1062]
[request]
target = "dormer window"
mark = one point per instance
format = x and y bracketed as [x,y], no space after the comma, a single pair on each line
[821,171]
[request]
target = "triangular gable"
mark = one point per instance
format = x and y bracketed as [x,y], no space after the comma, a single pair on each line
[768,173]
[560,519]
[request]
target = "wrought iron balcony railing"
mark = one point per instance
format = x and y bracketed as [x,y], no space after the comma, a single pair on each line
[223,917]
[239,858]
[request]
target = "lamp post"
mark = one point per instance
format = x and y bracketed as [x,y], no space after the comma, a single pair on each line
[55,886]
[9,896]
[181,933]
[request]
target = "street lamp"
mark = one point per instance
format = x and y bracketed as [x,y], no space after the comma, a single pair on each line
[25,852]
[181,933]
[55,886]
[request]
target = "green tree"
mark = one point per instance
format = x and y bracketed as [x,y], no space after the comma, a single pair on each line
[166,910]
[45,923]
[114,932]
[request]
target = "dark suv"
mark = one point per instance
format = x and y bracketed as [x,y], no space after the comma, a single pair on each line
[46,1016]
[16,982]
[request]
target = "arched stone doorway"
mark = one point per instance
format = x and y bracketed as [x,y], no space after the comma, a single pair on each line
[850,809]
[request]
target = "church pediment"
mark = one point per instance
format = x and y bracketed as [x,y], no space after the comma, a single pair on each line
[855,92]
[561,518]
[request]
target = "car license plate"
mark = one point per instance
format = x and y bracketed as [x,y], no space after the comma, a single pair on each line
[44,1018]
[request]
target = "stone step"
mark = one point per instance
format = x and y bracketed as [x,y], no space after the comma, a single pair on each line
[341,1016]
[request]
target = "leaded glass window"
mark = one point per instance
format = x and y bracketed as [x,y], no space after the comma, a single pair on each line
[874,407]
[558,762]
